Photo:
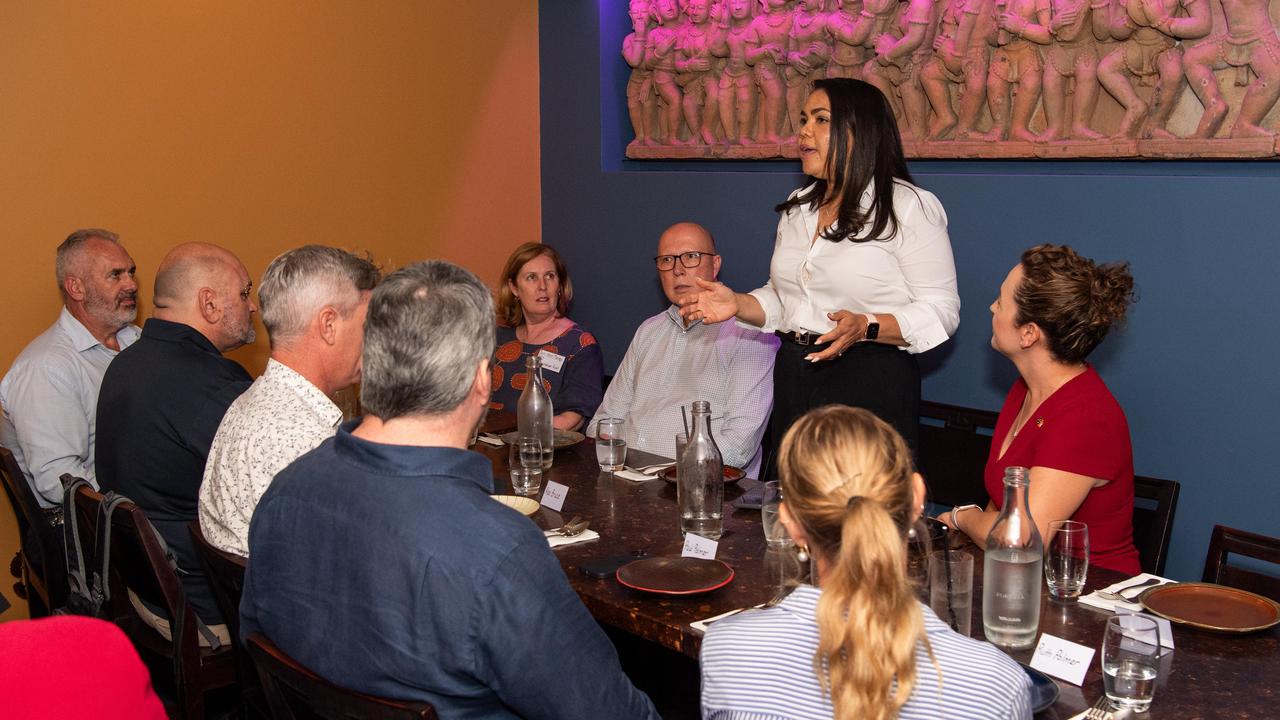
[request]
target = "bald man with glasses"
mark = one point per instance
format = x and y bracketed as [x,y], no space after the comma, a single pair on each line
[670,364]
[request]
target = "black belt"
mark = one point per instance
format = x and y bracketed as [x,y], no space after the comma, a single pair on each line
[800,338]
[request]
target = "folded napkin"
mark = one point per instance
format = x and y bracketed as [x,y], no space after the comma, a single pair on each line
[634,476]
[559,540]
[490,440]
[1093,600]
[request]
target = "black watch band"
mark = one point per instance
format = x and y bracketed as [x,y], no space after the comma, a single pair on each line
[873,327]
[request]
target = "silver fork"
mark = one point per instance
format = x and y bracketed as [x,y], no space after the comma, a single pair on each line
[564,528]
[1101,710]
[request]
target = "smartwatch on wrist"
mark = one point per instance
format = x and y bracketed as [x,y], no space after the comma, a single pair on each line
[873,327]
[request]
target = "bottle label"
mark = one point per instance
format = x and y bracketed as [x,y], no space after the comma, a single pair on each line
[551,361]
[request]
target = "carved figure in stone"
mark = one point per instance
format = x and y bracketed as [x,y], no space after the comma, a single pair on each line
[961,57]
[1021,27]
[899,58]
[1243,38]
[640,85]
[660,53]
[737,96]
[696,73]
[1068,108]
[767,54]
[847,58]
[808,49]
[1150,29]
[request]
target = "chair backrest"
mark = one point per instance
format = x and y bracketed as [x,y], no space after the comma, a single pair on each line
[952,451]
[226,576]
[1154,503]
[294,692]
[42,550]
[1226,541]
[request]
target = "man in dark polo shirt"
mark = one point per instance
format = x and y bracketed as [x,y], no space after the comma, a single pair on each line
[163,397]
[379,560]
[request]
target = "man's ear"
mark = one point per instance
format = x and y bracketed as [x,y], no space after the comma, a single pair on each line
[209,306]
[327,322]
[73,287]
[482,385]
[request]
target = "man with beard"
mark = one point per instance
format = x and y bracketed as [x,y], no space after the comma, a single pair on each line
[162,400]
[50,394]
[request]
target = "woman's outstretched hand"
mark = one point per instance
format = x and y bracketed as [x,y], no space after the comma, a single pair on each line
[713,303]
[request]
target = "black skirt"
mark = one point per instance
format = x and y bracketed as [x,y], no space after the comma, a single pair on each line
[881,378]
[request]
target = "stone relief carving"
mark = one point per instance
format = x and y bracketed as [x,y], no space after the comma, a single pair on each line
[966,78]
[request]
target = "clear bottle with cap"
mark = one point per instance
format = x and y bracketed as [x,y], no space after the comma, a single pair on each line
[700,479]
[534,411]
[1012,568]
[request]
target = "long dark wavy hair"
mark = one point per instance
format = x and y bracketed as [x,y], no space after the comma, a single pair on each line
[860,115]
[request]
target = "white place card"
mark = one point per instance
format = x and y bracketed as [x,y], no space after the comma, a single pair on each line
[1162,625]
[1062,659]
[553,497]
[699,547]
[551,361]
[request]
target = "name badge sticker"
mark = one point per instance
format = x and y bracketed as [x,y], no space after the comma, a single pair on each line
[553,497]
[1062,659]
[699,547]
[551,361]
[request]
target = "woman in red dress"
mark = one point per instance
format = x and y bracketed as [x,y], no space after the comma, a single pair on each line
[1059,420]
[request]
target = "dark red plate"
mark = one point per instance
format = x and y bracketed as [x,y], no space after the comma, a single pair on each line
[675,575]
[731,474]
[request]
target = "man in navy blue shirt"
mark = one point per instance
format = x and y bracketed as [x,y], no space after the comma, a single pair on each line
[379,560]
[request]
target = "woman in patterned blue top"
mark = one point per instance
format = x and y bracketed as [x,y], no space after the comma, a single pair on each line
[860,645]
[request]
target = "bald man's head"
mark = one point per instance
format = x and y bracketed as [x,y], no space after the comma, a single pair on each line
[208,288]
[682,241]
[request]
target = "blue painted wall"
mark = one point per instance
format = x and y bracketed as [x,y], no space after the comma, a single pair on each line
[1195,368]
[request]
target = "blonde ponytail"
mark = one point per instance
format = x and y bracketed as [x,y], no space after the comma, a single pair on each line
[846,479]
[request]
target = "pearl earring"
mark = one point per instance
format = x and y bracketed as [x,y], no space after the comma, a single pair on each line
[802,553]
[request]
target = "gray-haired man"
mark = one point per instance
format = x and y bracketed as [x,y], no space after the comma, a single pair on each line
[313,302]
[50,394]
[379,560]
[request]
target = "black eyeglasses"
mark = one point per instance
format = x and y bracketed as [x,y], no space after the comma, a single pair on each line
[691,259]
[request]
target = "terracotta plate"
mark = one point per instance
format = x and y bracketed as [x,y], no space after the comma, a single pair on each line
[675,576]
[522,505]
[562,438]
[731,474]
[1212,607]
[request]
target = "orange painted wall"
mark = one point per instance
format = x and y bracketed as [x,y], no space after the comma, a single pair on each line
[407,128]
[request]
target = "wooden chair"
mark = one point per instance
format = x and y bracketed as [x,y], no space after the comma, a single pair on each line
[1154,503]
[44,560]
[1226,541]
[295,693]
[138,562]
[953,447]
[226,576]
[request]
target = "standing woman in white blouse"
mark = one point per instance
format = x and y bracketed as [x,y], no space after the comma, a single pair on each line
[862,278]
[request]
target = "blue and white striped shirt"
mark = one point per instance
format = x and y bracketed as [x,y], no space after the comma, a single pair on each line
[758,665]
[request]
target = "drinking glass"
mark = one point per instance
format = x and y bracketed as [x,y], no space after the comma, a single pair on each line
[1130,661]
[526,481]
[775,533]
[525,463]
[951,588]
[611,447]
[1066,562]
[682,439]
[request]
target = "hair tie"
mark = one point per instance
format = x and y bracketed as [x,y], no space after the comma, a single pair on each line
[853,501]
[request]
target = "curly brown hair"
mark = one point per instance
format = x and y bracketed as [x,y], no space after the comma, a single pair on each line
[508,306]
[1073,300]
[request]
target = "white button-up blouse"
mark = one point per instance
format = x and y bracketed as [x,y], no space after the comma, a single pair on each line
[911,275]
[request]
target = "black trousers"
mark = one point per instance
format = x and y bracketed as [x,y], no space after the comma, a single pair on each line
[878,377]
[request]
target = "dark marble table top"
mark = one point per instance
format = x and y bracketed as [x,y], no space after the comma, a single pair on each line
[1209,675]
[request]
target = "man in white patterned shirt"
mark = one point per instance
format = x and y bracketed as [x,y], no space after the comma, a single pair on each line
[670,364]
[313,301]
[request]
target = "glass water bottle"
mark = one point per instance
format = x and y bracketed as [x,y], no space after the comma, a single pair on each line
[1012,569]
[700,480]
[534,411]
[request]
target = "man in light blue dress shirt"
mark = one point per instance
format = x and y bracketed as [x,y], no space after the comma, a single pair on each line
[670,364]
[50,394]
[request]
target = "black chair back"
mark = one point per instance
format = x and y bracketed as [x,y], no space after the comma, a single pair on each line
[953,446]
[1225,541]
[1154,503]
[44,560]
[226,576]
[296,693]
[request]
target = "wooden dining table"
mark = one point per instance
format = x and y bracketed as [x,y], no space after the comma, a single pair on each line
[1208,675]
